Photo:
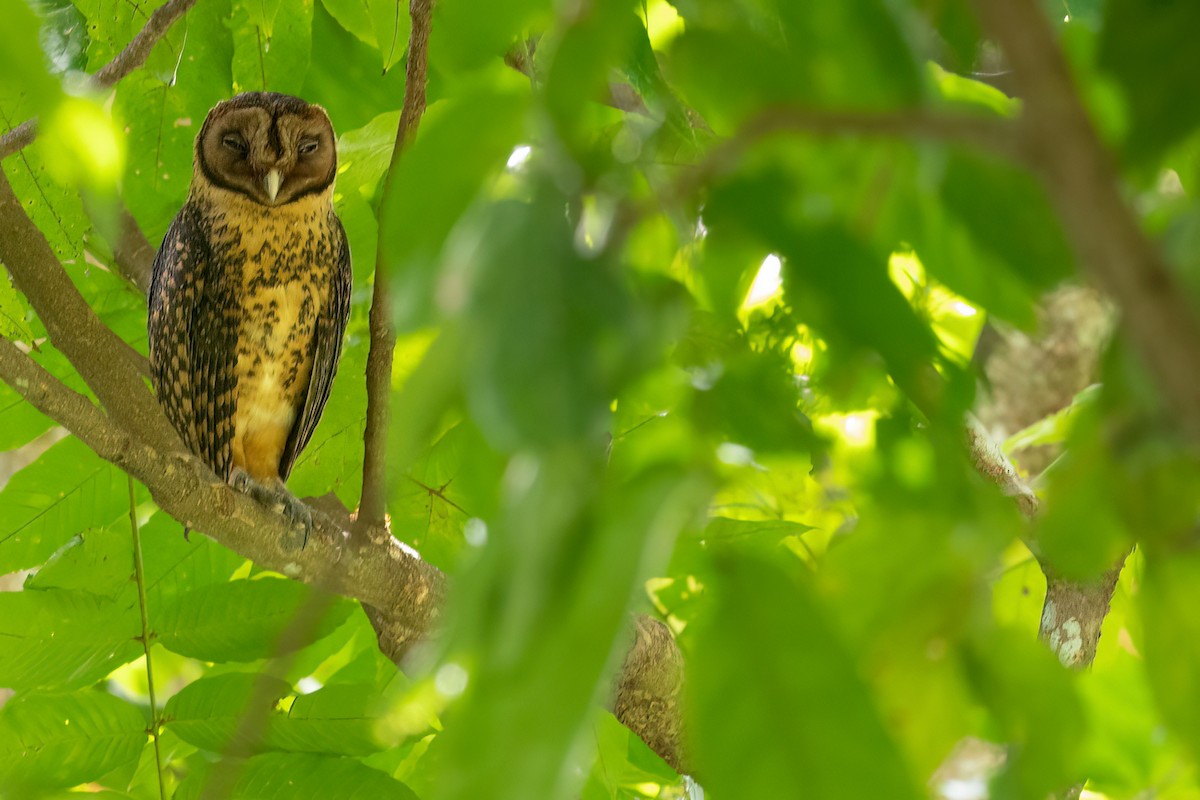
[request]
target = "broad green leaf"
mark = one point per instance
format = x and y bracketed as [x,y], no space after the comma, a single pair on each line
[55,208]
[62,639]
[392,24]
[20,423]
[211,713]
[355,17]
[57,741]
[66,491]
[364,155]
[768,660]
[299,776]
[272,43]
[100,562]
[164,115]
[225,712]
[196,623]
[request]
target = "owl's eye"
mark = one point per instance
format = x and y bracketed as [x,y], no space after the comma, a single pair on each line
[235,143]
[308,147]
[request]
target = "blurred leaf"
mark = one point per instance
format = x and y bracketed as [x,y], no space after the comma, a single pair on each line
[1144,44]
[460,145]
[549,333]
[1052,429]
[1034,702]
[1169,592]
[1029,238]
[196,623]
[538,614]
[767,661]
[301,776]
[57,741]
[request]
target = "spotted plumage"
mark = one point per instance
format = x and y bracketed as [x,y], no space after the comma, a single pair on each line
[251,294]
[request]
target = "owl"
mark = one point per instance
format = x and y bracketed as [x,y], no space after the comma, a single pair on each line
[250,296]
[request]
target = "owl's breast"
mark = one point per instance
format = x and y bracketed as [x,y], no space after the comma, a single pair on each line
[285,283]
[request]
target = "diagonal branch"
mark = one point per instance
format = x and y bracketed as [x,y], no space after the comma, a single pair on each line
[383,336]
[111,368]
[403,595]
[125,62]
[1080,178]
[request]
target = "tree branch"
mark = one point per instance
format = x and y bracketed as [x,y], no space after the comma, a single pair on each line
[111,368]
[1079,177]
[125,62]
[371,507]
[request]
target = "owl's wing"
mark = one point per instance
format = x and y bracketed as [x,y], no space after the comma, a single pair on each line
[327,349]
[193,341]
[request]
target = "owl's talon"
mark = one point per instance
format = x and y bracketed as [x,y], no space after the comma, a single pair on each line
[278,499]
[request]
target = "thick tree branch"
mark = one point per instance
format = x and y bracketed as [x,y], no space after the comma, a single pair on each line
[110,367]
[1079,177]
[125,62]
[402,593]
[383,336]
[379,571]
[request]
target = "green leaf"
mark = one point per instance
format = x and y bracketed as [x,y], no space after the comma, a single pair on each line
[66,491]
[210,713]
[364,154]
[56,741]
[1027,237]
[1035,704]
[392,24]
[355,17]
[547,341]
[213,713]
[767,660]
[164,113]
[461,144]
[272,43]
[1145,44]
[61,639]
[296,776]
[196,623]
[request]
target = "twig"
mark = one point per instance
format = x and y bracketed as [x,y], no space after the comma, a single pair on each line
[991,463]
[383,336]
[1080,179]
[139,574]
[125,62]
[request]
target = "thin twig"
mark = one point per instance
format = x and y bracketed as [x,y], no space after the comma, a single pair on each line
[372,506]
[139,573]
[125,62]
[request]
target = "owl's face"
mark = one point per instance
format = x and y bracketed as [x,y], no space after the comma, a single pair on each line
[271,148]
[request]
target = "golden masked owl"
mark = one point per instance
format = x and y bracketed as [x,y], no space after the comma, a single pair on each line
[251,294]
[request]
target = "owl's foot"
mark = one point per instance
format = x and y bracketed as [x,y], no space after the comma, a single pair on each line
[276,497]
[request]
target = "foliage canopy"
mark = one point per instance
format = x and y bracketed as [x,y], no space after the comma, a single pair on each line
[687,294]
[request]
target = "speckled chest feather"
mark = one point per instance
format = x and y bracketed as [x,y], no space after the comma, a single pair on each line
[281,261]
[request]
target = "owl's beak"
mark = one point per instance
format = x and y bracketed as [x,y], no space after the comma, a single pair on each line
[271,182]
